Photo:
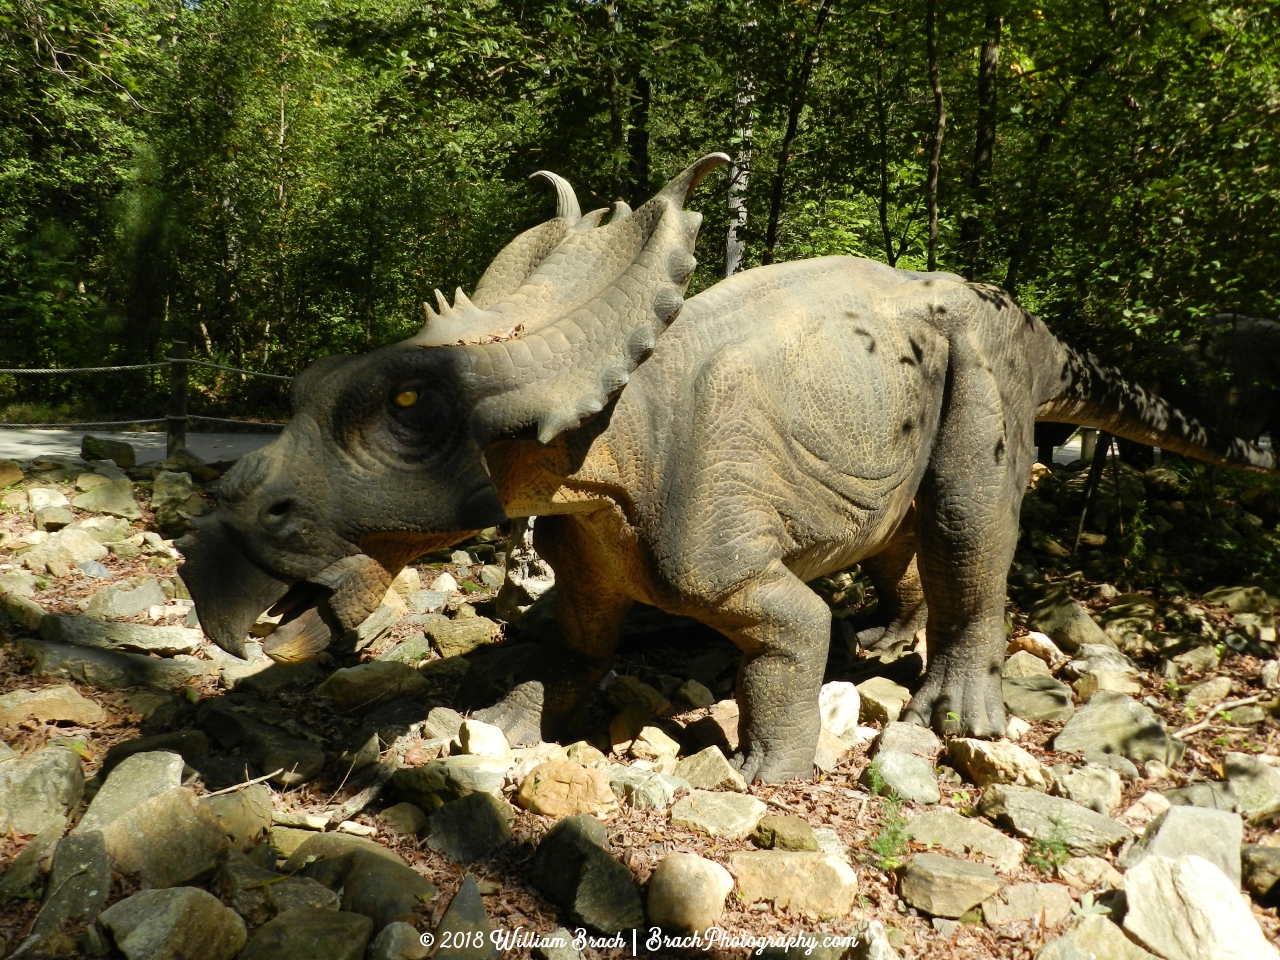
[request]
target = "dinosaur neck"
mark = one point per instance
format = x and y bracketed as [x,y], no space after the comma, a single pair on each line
[566,476]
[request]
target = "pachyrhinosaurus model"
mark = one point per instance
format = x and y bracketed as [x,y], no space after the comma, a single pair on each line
[780,430]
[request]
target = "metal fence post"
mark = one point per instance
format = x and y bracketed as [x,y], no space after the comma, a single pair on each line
[177,433]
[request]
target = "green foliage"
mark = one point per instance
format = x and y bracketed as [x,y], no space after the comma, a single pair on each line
[278,180]
[890,842]
[1049,853]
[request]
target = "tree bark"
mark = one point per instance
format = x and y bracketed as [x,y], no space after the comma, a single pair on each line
[788,139]
[984,143]
[744,99]
[939,128]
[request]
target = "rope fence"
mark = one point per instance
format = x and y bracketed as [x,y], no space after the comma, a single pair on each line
[176,419]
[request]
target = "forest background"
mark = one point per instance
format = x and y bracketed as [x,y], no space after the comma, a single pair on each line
[276,180]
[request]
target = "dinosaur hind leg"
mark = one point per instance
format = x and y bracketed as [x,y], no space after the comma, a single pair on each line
[901,610]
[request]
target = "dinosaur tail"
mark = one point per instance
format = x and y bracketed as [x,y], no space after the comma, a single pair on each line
[1092,395]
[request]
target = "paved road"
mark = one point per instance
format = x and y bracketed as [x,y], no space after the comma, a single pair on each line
[26,444]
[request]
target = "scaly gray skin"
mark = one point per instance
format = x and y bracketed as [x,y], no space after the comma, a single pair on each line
[781,430]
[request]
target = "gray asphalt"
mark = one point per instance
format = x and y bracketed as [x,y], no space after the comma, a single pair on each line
[27,444]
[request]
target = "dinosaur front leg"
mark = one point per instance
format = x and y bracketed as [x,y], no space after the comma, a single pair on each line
[784,629]
[590,608]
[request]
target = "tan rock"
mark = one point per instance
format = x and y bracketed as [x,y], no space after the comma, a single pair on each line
[1091,873]
[564,788]
[882,699]
[651,743]
[166,840]
[1024,664]
[686,892]
[1105,681]
[1208,693]
[817,886]
[1039,645]
[62,702]
[1045,904]
[986,762]
[709,770]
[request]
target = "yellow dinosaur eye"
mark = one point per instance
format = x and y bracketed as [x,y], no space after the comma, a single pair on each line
[406,398]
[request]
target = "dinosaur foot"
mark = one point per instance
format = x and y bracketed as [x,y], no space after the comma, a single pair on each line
[775,764]
[518,714]
[959,699]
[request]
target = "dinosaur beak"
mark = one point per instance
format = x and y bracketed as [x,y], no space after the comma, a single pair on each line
[230,590]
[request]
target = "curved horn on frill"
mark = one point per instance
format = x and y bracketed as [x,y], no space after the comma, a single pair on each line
[566,200]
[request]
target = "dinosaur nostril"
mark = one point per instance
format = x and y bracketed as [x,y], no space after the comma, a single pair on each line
[279,509]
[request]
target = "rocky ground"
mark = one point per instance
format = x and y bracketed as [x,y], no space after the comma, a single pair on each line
[162,799]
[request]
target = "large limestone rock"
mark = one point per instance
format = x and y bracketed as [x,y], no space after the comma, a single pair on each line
[562,788]
[1037,698]
[114,498]
[245,815]
[59,703]
[1260,866]
[882,700]
[729,815]
[943,887]
[307,933]
[1213,835]
[62,552]
[79,884]
[1034,815]
[1185,908]
[371,684]
[434,784]
[37,789]
[1093,786]
[259,894]
[122,600]
[167,840]
[1093,938]
[454,638]
[1065,622]
[106,669]
[1046,904]
[181,923]
[465,927]
[1256,786]
[108,448]
[1114,723]
[908,775]
[907,738]
[132,783]
[817,886]
[986,762]
[966,837]
[686,893]
[137,637]
[471,827]
[709,770]
[573,869]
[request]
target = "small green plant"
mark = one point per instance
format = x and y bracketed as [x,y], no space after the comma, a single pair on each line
[1222,741]
[890,844]
[1049,853]
[1172,689]
[1087,908]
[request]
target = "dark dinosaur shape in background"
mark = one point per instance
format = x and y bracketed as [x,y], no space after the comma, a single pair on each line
[782,429]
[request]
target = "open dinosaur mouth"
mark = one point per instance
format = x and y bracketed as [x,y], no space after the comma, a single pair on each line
[307,624]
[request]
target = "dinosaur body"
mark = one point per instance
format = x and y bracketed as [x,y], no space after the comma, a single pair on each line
[781,429]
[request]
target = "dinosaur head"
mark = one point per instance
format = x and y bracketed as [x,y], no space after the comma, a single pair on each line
[383,459]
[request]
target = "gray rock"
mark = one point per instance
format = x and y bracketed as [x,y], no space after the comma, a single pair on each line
[371,684]
[372,883]
[909,775]
[181,923]
[398,941]
[943,887]
[471,827]
[429,601]
[186,743]
[557,945]
[784,833]
[79,883]
[1260,867]
[167,840]
[123,600]
[93,570]
[1093,938]
[1093,786]
[907,738]
[405,819]
[269,747]
[644,789]
[966,836]
[120,452]
[1033,815]
[1213,835]
[465,925]
[245,815]
[1256,786]
[41,498]
[1047,904]
[1066,622]
[434,784]
[1037,698]
[729,815]
[1210,796]
[36,790]
[24,879]
[169,486]
[411,651]
[53,518]
[454,638]
[573,869]
[258,894]
[90,632]
[132,783]
[1114,723]
[1024,664]
[306,933]
[106,669]
[1186,909]
[686,892]
[63,551]
[333,847]
[104,529]
[1112,761]
[114,498]
[709,770]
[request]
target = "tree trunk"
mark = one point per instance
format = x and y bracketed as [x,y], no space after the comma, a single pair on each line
[939,128]
[744,101]
[984,143]
[638,142]
[788,139]
[882,159]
